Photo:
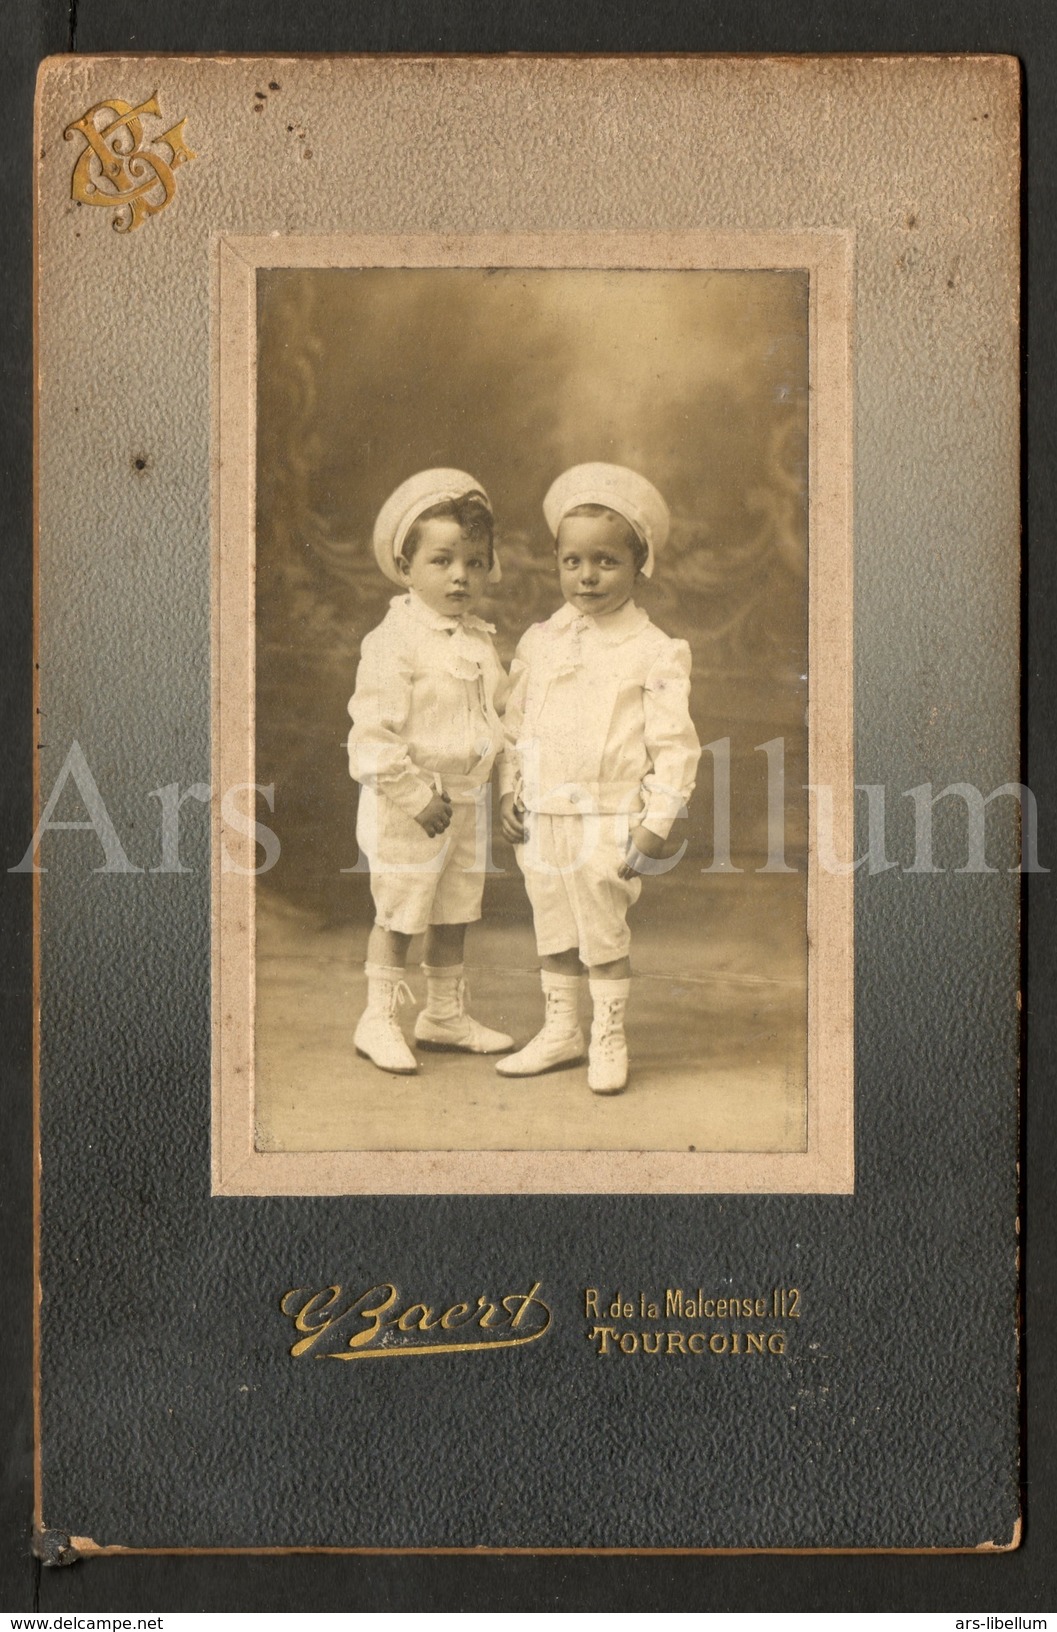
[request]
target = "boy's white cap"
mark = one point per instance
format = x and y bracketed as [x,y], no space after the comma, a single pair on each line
[402,509]
[619,489]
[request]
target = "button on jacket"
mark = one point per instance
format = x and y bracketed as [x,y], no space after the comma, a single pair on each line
[426,706]
[599,721]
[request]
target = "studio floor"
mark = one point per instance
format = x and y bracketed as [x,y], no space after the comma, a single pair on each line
[717,1034]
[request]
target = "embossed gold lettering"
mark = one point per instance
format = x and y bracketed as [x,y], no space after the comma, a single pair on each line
[386,1324]
[358,1339]
[523,1301]
[612,1340]
[317,1305]
[602,1335]
[408,1323]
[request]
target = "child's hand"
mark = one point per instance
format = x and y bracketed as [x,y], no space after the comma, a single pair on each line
[511,819]
[643,847]
[436,816]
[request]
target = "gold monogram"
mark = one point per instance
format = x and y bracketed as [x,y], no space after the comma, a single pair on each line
[117,171]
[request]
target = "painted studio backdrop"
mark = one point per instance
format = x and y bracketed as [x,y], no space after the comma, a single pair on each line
[697,379]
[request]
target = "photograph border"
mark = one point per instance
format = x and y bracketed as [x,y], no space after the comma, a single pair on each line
[827,1164]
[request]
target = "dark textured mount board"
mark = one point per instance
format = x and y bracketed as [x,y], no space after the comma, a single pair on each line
[890,1315]
[903,1276]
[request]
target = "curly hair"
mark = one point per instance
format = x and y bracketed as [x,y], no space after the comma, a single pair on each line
[471,512]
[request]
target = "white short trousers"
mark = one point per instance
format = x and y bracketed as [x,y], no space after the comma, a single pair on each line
[415,880]
[570,865]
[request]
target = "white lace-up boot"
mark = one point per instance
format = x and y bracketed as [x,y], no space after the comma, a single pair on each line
[560,1041]
[378,1035]
[607,1059]
[444,1022]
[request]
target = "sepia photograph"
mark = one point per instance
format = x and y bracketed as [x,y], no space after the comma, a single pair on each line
[532,556]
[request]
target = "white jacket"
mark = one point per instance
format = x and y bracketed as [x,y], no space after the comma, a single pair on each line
[425,712]
[599,721]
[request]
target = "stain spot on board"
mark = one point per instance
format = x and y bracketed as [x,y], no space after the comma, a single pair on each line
[141,463]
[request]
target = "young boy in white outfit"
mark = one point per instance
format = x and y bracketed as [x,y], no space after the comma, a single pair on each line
[425,735]
[603,760]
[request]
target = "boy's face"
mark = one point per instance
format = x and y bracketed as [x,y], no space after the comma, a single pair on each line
[596,563]
[448,571]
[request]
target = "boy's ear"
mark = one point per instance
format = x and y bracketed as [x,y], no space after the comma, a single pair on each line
[403,565]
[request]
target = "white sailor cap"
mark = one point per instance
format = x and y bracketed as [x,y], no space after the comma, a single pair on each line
[403,508]
[619,489]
